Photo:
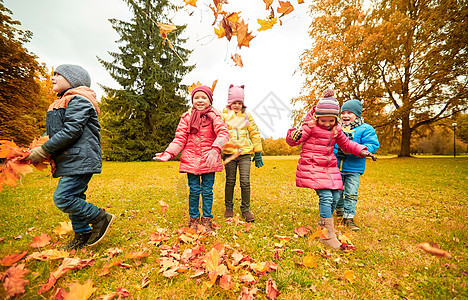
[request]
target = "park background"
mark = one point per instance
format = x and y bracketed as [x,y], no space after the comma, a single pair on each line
[405,60]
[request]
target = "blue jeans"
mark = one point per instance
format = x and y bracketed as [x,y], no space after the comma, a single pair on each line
[348,198]
[70,198]
[327,202]
[201,183]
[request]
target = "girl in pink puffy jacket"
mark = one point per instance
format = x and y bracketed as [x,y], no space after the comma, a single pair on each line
[200,136]
[317,167]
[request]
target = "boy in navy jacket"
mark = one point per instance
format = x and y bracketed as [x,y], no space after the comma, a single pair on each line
[75,146]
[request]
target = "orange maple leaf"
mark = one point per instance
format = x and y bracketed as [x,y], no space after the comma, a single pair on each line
[40,241]
[300,1]
[271,290]
[213,85]
[309,261]
[301,231]
[11,259]
[233,17]
[67,264]
[63,228]
[164,29]
[191,2]
[14,280]
[266,24]
[220,32]
[268,3]
[225,282]
[194,85]
[349,274]
[285,7]
[320,233]
[434,251]
[48,255]
[243,35]
[238,61]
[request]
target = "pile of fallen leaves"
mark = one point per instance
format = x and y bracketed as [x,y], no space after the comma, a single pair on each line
[14,165]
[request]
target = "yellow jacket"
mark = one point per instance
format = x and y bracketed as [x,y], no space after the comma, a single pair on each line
[243,133]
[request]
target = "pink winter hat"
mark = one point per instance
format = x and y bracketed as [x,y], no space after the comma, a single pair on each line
[205,89]
[235,93]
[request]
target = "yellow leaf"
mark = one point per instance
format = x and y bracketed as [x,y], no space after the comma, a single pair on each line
[80,292]
[349,274]
[309,261]
[266,24]
[63,228]
[191,2]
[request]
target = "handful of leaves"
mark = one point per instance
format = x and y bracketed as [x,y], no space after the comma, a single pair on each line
[14,164]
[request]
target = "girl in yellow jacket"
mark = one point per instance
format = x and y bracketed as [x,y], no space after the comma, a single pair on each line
[244,140]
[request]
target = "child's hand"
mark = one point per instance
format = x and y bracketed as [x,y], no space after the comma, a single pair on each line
[258,159]
[164,156]
[296,135]
[37,155]
[365,153]
[211,158]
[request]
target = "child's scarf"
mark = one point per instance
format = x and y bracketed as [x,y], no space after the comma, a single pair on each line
[348,127]
[196,119]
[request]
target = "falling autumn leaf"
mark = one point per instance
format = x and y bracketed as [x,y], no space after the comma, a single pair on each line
[164,29]
[243,35]
[268,3]
[191,2]
[220,32]
[40,241]
[349,274]
[213,85]
[271,290]
[14,280]
[11,259]
[434,251]
[300,1]
[285,7]
[266,24]
[194,85]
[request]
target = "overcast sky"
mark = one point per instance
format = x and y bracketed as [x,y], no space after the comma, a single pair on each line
[76,32]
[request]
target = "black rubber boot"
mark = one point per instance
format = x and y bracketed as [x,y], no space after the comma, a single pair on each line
[79,241]
[101,224]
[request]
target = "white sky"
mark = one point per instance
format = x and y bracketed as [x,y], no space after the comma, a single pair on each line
[76,32]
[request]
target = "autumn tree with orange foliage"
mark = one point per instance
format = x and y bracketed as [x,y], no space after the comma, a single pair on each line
[22,105]
[406,60]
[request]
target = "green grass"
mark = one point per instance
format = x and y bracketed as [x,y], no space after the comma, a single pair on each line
[402,202]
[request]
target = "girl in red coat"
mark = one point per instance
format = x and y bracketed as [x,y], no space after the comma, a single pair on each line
[200,136]
[317,168]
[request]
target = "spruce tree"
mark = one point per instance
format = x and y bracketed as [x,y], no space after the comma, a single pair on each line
[140,118]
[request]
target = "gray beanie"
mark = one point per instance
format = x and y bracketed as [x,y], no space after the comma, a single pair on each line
[74,74]
[354,106]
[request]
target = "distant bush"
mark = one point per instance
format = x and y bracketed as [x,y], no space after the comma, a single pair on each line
[272,147]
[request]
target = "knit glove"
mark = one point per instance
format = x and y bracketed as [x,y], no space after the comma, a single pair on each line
[211,158]
[365,153]
[164,156]
[258,159]
[296,135]
[341,155]
[37,155]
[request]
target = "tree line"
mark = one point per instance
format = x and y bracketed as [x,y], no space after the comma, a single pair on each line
[405,60]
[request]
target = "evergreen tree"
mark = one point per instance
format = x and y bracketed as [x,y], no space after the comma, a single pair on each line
[140,119]
[22,108]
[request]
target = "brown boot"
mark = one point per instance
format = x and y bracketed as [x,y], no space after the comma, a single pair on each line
[229,213]
[207,223]
[248,216]
[331,234]
[193,222]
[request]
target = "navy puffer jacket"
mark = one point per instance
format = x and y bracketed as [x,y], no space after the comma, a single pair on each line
[74,133]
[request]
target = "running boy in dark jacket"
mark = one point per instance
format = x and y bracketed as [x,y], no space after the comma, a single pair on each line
[75,146]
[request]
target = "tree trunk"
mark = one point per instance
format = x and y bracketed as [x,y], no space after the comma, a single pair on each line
[405,146]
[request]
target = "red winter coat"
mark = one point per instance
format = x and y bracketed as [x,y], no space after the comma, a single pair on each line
[317,166]
[213,133]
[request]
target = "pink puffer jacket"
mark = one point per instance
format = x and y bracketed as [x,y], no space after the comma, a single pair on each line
[317,167]
[213,133]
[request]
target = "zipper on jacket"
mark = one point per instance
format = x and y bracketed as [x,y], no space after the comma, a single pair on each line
[328,160]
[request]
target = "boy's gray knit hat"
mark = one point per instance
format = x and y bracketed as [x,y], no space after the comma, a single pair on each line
[74,74]
[354,106]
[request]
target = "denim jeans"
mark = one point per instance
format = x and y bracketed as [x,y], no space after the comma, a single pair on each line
[243,163]
[70,198]
[201,183]
[327,201]
[348,198]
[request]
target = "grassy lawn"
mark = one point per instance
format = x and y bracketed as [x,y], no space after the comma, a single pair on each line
[402,202]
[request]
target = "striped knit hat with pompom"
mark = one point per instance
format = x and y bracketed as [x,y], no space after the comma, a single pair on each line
[327,105]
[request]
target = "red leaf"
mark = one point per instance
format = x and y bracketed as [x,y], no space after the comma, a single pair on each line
[225,282]
[301,231]
[67,264]
[11,259]
[271,289]
[40,241]
[14,283]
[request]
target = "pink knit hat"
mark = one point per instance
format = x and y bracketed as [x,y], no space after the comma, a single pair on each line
[205,89]
[327,105]
[235,93]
